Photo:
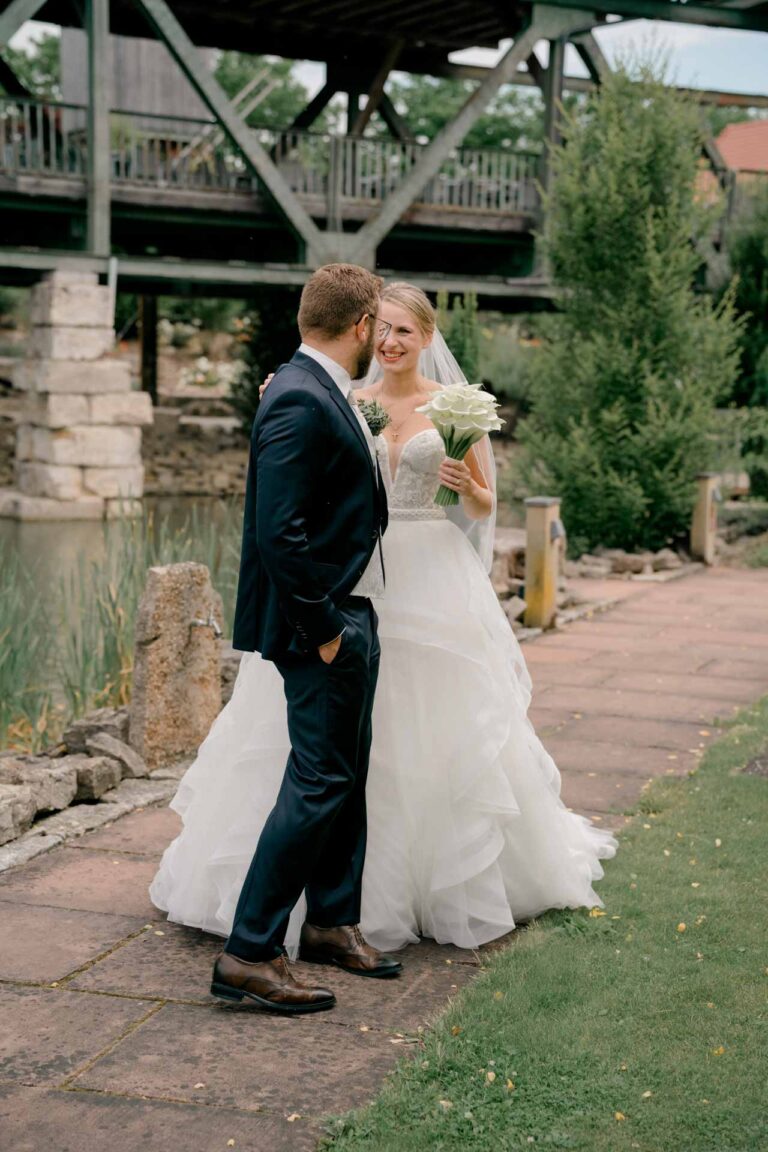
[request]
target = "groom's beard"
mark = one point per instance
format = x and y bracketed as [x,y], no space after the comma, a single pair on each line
[364,358]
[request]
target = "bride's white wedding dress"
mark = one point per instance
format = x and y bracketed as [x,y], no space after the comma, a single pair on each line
[466,830]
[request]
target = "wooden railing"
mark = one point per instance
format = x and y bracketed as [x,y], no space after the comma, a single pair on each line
[162,152]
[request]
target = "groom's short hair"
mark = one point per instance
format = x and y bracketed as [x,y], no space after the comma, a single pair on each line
[335,297]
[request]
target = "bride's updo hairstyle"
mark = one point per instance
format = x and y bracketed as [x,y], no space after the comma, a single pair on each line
[415,301]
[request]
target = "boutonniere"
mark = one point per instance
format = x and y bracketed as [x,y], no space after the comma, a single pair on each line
[375,416]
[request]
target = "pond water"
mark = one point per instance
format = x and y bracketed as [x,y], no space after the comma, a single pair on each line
[56,551]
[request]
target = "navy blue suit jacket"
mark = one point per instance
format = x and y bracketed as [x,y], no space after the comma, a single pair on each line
[314,514]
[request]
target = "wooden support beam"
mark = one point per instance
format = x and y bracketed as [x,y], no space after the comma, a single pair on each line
[16,14]
[711,16]
[394,121]
[547,22]
[376,89]
[187,57]
[592,56]
[236,278]
[148,335]
[553,104]
[317,105]
[536,71]
[99,152]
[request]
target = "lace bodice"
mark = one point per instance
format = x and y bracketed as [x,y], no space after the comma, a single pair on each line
[411,491]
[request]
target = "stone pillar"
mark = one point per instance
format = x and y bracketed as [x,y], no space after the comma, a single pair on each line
[78,445]
[176,692]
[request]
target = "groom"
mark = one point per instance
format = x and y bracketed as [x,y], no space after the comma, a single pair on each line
[315,510]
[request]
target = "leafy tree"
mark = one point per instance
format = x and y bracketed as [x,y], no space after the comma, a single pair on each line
[285,101]
[38,65]
[267,335]
[625,384]
[514,119]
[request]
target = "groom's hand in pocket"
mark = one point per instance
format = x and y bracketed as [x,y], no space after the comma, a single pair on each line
[328,652]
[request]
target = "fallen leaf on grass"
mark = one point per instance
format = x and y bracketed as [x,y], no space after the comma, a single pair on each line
[718,1051]
[619,1116]
[445,1104]
[681,927]
[455,1031]
[647,1095]
[595,912]
[510,1086]
[490,1077]
[718,843]
[293,1116]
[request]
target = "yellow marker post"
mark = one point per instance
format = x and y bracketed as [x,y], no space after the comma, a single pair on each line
[704,525]
[544,530]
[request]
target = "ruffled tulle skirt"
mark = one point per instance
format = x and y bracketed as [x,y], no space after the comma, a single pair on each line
[466,830]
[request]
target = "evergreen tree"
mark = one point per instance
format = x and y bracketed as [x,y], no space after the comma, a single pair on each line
[268,337]
[748,253]
[625,384]
[459,325]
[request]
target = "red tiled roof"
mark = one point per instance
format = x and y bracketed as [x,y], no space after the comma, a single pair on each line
[745,146]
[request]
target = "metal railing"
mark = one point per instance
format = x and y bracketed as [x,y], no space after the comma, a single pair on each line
[163,152]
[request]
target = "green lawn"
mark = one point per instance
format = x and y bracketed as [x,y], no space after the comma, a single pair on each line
[643,1028]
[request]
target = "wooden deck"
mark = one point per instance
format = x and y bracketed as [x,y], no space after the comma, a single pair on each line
[190,164]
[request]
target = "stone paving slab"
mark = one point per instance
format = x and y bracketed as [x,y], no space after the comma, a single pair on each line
[612,701]
[696,688]
[38,1120]
[146,832]
[47,1034]
[84,880]
[616,759]
[43,944]
[246,1059]
[599,793]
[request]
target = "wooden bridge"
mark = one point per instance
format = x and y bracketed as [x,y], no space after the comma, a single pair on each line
[165,203]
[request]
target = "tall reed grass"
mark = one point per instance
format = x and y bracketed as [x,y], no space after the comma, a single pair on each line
[26,655]
[59,660]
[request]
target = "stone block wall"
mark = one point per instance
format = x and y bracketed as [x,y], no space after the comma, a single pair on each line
[78,443]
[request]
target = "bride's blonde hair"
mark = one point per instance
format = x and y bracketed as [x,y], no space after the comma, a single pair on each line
[416,302]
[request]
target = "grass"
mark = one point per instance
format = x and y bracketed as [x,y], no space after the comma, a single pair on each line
[59,659]
[25,656]
[642,1027]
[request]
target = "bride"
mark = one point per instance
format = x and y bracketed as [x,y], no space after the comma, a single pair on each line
[467,834]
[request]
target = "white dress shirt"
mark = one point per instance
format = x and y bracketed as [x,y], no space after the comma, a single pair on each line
[371,582]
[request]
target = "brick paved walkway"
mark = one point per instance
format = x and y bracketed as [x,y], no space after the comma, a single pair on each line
[108,1038]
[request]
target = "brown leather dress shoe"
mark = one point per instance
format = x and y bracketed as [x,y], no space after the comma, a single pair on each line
[268,983]
[347,948]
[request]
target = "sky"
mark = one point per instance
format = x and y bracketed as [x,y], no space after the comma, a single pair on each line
[699,57]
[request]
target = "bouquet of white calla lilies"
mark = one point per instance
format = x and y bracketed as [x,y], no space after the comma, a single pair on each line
[462,414]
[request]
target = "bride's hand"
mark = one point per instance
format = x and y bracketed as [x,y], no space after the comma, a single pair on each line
[263,387]
[455,474]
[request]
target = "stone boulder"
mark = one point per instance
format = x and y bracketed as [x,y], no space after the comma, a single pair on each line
[131,764]
[112,721]
[53,783]
[95,775]
[514,608]
[17,810]
[666,561]
[177,665]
